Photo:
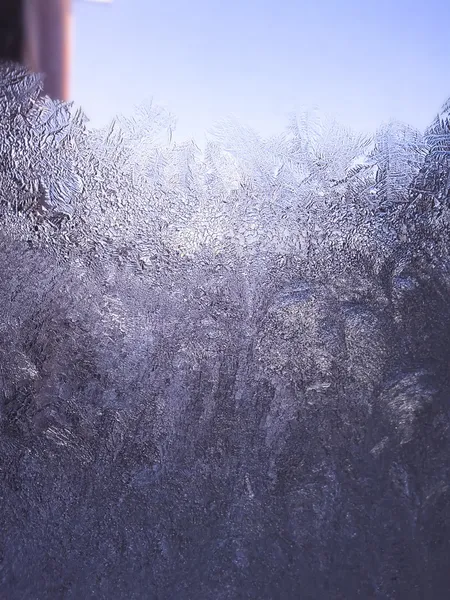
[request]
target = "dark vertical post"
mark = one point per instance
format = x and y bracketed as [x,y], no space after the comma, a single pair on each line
[11,30]
[46,49]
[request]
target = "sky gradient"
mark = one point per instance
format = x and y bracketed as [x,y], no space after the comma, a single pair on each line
[259,60]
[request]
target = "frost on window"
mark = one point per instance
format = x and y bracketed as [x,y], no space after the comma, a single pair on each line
[223,374]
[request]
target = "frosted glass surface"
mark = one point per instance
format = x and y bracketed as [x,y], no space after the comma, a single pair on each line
[224,374]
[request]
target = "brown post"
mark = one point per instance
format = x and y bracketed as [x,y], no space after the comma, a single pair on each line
[47,25]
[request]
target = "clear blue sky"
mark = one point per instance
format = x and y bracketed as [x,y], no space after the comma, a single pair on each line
[204,59]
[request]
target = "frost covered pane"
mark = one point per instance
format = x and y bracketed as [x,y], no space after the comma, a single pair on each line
[224,374]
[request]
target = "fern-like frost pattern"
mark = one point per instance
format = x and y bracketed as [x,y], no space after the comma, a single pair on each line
[224,374]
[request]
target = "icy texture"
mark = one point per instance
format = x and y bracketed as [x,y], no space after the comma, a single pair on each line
[225,375]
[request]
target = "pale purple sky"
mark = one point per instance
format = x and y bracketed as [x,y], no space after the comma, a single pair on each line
[364,62]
